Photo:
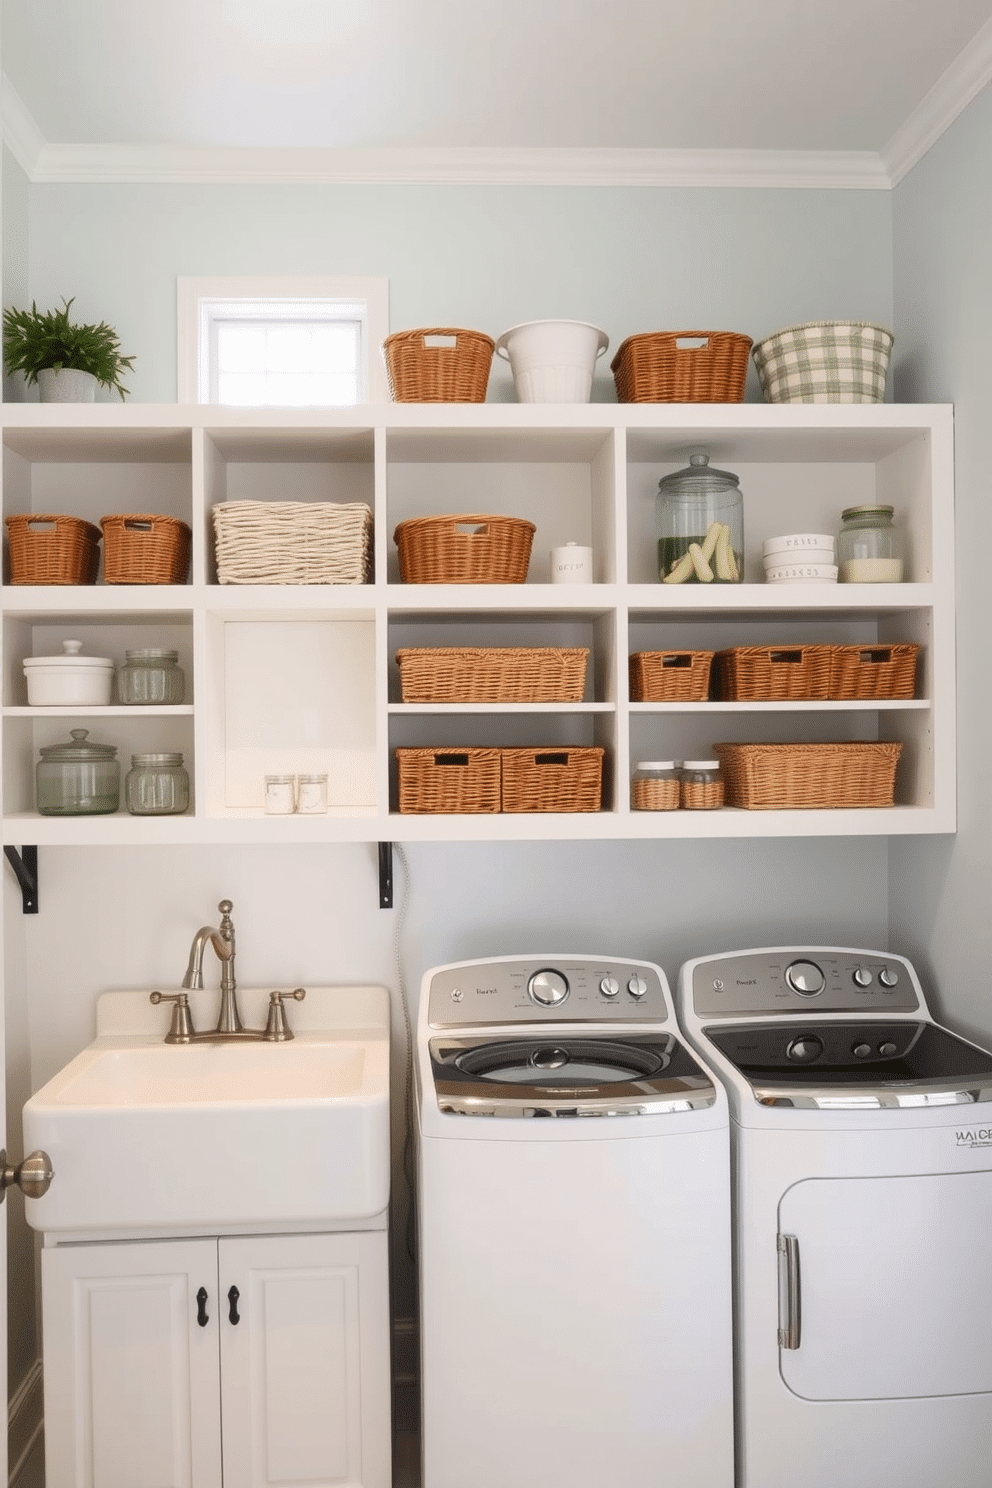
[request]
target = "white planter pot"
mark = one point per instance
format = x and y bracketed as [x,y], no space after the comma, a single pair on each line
[552,360]
[66,385]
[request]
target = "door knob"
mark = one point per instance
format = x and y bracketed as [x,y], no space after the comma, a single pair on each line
[33,1176]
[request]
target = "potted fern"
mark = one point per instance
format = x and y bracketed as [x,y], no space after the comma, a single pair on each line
[66,360]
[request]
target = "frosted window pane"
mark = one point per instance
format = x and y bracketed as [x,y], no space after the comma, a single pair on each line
[240,348]
[288,364]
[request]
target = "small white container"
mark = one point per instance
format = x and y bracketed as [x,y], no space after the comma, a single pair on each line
[280,795]
[552,360]
[70,680]
[802,573]
[800,545]
[571,564]
[311,795]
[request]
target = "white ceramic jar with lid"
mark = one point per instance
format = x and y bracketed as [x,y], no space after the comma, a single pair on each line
[69,680]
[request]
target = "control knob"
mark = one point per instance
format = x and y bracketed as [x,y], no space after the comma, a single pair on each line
[862,977]
[547,988]
[609,986]
[805,1049]
[805,977]
[862,1051]
[637,986]
[888,1049]
[888,976]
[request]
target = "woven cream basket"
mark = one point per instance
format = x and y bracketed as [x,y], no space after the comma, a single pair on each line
[293,542]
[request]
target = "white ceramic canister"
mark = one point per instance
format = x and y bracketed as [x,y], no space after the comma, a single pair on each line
[70,680]
[552,360]
[571,564]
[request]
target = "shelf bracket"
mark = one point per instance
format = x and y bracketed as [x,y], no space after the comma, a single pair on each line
[385,875]
[25,866]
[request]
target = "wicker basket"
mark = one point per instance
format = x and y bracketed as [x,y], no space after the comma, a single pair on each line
[439,780]
[48,549]
[873,671]
[480,674]
[773,673]
[464,550]
[670,676]
[654,368]
[776,777]
[825,361]
[456,371]
[552,779]
[293,542]
[145,549]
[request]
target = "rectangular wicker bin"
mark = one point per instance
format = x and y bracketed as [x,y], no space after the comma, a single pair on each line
[439,364]
[670,676]
[873,671]
[144,548]
[293,542]
[483,674]
[773,673]
[782,777]
[480,549]
[652,367]
[552,779]
[47,549]
[448,780]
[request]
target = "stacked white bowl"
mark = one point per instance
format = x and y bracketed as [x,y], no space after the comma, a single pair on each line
[800,558]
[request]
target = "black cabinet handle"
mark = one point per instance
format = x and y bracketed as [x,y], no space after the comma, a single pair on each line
[232,1297]
[201,1307]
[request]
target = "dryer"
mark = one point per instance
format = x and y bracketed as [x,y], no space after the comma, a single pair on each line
[862,1199]
[574,1231]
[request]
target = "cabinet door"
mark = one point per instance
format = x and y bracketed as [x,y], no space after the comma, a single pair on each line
[131,1376]
[305,1392]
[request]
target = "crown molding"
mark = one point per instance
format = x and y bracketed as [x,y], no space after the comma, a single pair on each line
[21,134]
[968,74]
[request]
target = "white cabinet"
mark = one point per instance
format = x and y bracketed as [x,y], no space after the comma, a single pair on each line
[255,1361]
[289,678]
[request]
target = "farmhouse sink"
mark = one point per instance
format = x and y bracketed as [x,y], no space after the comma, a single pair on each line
[148,1137]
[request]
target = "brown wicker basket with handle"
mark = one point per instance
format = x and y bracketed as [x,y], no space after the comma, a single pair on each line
[653,367]
[464,549]
[448,780]
[482,674]
[143,548]
[552,779]
[453,370]
[873,671]
[773,673]
[670,676]
[46,549]
[779,777]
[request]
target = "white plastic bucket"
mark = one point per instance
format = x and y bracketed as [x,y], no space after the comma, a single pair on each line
[552,360]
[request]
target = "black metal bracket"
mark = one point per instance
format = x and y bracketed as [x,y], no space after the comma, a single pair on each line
[25,866]
[385,875]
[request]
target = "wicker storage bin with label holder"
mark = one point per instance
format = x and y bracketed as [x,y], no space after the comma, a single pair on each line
[144,548]
[464,549]
[552,779]
[682,367]
[293,542]
[442,364]
[780,777]
[46,549]
[448,780]
[873,671]
[492,674]
[773,673]
[670,676]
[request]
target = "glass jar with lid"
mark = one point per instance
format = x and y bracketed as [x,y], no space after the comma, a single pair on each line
[156,785]
[701,785]
[80,778]
[700,517]
[869,546]
[654,786]
[151,677]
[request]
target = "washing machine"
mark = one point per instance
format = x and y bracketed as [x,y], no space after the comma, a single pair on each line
[862,1180]
[574,1231]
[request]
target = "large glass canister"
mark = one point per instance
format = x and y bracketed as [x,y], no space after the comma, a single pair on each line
[156,785]
[869,546]
[700,526]
[151,677]
[79,778]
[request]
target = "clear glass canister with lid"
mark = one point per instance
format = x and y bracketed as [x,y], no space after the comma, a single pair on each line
[150,677]
[79,778]
[869,546]
[701,785]
[700,517]
[156,785]
[654,786]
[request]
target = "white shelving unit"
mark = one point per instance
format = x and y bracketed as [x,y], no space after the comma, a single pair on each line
[303,677]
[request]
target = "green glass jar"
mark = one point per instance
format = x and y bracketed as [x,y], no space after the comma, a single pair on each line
[156,785]
[700,515]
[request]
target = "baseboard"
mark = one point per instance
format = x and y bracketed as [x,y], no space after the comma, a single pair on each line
[25,1421]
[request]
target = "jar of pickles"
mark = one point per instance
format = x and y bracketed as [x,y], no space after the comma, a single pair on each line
[151,677]
[700,514]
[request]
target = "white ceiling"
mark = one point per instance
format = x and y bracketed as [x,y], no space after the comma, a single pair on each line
[157,80]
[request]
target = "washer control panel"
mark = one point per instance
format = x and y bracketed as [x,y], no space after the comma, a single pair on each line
[804,980]
[567,989]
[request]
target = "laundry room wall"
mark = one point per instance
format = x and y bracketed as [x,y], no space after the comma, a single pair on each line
[939,887]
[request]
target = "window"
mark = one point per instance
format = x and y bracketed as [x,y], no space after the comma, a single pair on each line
[282,343]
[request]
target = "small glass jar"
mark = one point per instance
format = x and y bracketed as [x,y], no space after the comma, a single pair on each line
[311,795]
[156,785]
[280,795]
[654,786]
[79,778]
[700,514]
[701,785]
[151,677]
[869,546]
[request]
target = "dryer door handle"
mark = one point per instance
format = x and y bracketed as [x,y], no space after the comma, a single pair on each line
[790,1307]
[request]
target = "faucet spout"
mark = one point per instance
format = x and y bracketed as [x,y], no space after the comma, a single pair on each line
[222,941]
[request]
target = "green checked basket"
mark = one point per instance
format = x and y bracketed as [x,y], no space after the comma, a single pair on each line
[825,361]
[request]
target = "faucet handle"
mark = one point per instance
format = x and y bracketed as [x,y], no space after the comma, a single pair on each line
[277,1030]
[181,1028]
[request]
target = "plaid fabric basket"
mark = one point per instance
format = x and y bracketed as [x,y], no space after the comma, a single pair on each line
[825,361]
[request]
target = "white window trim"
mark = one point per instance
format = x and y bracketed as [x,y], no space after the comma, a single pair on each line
[196,296]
